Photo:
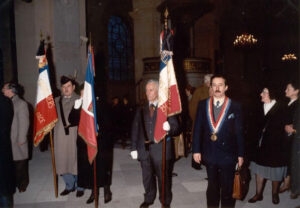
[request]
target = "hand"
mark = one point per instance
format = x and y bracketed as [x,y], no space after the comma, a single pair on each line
[134,154]
[197,157]
[289,129]
[78,103]
[240,161]
[166,126]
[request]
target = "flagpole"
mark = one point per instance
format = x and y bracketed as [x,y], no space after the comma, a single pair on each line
[95,166]
[163,173]
[53,165]
[164,140]
[95,184]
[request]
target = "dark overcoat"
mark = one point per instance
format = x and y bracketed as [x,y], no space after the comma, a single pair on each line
[295,154]
[7,171]
[271,138]
[291,110]
[104,158]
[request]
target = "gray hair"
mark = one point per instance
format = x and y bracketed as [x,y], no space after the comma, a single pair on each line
[152,81]
[207,77]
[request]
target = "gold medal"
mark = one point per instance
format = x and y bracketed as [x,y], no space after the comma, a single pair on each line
[214,137]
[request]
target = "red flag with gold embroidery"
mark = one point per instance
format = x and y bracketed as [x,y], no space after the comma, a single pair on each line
[45,115]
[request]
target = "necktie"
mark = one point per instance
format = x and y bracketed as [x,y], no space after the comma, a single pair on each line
[218,104]
[151,110]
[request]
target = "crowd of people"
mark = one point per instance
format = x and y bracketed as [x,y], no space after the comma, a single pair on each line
[215,137]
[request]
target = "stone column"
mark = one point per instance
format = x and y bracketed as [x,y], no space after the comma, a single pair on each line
[30,20]
[64,22]
[67,46]
[147,27]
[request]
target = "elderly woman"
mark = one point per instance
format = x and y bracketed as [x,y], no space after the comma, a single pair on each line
[269,163]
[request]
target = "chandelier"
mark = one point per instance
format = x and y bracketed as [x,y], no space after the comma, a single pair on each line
[289,57]
[244,40]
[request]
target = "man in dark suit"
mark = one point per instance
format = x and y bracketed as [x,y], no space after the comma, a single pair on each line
[148,152]
[7,170]
[218,142]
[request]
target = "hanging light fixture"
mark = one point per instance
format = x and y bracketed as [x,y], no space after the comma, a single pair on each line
[289,57]
[244,39]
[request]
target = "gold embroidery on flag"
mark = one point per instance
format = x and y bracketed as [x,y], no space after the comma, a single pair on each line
[40,117]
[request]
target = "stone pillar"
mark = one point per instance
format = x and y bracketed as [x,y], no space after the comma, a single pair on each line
[64,22]
[147,27]
[30,20]
[67,29]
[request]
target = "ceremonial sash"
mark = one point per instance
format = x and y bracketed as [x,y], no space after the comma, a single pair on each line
[216,125]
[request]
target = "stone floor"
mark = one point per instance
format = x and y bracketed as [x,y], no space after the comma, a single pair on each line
[188,187]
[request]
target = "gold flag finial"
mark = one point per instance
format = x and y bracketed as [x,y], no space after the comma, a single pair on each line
[166,13]
[41,35]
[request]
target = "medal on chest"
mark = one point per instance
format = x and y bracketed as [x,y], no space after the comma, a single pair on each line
[215,126]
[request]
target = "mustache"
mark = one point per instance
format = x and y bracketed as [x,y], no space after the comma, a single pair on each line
[217,91]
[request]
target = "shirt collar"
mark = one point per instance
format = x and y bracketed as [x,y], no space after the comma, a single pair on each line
[154,103]
[268,106]
[291,101]
[221,101]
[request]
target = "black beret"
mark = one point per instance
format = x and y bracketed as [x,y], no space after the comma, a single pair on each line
[64,79]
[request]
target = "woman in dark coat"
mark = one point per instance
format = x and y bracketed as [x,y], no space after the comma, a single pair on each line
[269,163]
[7,171]
[291,92]
[295,158]
[104,156]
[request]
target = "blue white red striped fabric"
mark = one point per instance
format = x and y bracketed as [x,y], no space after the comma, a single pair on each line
[169,102]
[87,128]
[45,115]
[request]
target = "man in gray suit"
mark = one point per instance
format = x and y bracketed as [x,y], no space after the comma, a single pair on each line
[148,152]
[19,130]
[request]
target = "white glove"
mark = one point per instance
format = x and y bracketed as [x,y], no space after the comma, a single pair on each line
[134,154]
[166,126]
[78,103]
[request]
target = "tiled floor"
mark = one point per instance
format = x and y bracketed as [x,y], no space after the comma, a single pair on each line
[188,187]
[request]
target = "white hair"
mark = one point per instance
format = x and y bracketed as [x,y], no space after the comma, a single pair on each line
[207,77]
[153,81]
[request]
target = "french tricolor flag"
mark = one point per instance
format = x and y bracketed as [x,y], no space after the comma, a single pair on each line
[169,102]
[45,115]
[87,128]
